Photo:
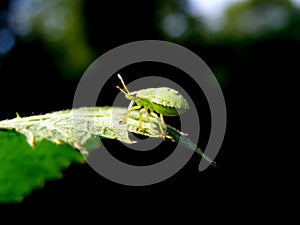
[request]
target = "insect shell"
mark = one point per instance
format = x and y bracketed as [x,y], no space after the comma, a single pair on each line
[162,100]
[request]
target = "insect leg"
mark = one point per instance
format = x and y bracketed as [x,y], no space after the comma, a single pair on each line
[130,105]
[147,115]
[130,108]
[159,123]
[162,119]
[140,119]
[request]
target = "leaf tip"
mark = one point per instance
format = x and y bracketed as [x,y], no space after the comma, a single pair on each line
[30,139]
[57,141]
[80,148]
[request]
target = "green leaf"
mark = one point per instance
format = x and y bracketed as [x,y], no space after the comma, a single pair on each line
[77,126]
[52,138]
[23,168]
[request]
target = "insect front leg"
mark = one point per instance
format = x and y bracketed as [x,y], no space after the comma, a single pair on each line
[162,119]
[130,108]
[141,118]
[159,123]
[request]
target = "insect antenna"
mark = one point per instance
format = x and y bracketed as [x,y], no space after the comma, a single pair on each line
[121,90]
[121,79]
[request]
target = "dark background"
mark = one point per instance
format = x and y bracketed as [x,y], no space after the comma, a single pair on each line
[259,75]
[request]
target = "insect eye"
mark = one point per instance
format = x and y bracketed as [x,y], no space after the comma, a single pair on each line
[134,95]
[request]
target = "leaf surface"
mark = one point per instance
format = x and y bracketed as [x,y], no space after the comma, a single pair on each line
[23,168]
[37,148]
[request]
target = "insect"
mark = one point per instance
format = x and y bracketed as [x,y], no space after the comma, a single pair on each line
[163,101]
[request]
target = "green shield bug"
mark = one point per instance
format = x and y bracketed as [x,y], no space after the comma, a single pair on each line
[163,101]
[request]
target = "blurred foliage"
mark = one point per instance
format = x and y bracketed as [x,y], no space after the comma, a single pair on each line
[64,26]
[68,27]
[60,25]
[243,21]
[244,24]
[258,19]
[176,23]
